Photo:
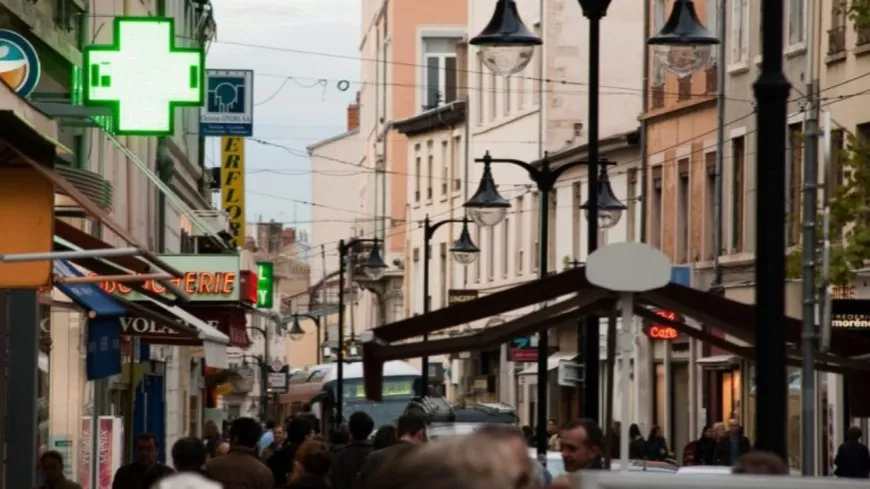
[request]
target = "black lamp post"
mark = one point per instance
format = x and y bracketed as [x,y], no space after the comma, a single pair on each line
[296,332]
[374,268]
[488,208]
[464,252]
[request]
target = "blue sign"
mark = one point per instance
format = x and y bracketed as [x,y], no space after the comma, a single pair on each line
[522,342]
[19,63]
[681,275]
[104,330]
[229,104]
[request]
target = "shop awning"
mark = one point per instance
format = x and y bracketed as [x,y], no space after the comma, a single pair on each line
[214,342]
[230,320]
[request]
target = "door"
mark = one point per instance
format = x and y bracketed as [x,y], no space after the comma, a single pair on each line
[150,412]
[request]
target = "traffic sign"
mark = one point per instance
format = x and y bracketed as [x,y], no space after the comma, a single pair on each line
[229,103]
[143,76]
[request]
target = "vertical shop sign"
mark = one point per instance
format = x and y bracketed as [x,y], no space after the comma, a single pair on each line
[233,186]
[265,284]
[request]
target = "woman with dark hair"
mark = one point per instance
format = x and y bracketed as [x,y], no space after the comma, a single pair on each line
[311,466]
[705,448]
[656,445]
[385,437]
[636,443]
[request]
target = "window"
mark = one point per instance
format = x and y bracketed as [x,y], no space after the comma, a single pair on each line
[443,273]
[418,172]
[793,185]
[535,230]
[445,167]
[519,235]
[537,60]
[493,96]
[430,169]
[440,66]
[490,255]
[507,96]
[457,154]
[836,178]
[481,90]
[710,221]
[631,194]
[796,21]
[522,83]
[655,232]
[551,232]
[711,20]
[478,269]
[505,244]
[739,31]
[682,255]
[658,75]
[384,73]
[738,157]
[837,34]
[684,88]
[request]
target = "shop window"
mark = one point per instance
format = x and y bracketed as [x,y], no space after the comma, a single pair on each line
[794,184]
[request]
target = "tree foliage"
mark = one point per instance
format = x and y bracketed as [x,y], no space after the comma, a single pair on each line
[849,211]
[858,12]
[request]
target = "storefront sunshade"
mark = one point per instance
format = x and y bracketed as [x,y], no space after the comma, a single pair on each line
[214,342]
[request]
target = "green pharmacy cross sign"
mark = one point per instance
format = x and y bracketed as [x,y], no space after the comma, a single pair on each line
[143,76]
[265,284]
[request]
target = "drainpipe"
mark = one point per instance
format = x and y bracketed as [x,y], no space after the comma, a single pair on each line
[720,147]
[164,172]
[644,171]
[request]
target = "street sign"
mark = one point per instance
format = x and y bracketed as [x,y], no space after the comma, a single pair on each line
[229,103]
[277,365]
[277,382]
[143,76]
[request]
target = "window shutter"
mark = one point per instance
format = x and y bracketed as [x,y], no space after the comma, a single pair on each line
[736,24]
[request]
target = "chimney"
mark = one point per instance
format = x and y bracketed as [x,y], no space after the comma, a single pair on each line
[289,237]
[353,115]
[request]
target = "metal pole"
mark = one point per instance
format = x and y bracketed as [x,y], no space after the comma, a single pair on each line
[810,189]
[264,386]
[70,255]
[626,341]
[720,145]
[771,94]
[21,407]
[427,237]
[317,341]
[339,374]
[608,405]
[94,454]
[543,340]
[591,352]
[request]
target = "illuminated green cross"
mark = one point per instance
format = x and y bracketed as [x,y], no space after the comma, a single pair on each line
[142,77]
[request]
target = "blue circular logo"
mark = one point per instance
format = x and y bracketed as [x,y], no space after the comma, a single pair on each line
[19,64]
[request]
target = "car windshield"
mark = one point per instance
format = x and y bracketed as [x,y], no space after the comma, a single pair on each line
[382,413]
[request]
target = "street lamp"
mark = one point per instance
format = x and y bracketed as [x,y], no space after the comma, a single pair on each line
[464,252]
[506,44]
[374,268]
[493,207]
[609,207]
[296,332]
[684,45]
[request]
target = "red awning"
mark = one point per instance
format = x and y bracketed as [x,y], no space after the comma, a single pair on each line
[229,320]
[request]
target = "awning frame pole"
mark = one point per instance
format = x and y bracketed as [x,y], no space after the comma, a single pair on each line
[113,278]
[70,255]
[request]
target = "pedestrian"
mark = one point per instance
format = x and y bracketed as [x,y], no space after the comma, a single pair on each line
[732,446]
[614,440]
[760,463]
[280,439]
[553,438]
[410,432]
[656,445]
[853,458]
[267,438]
[529,434]
[636,443]
[339,437]
[189,456]
[582,442]
[223,448]
[385,437]
[514,439]
[466,462]
[51,468]
[242,468]
[311,466]
[350,458]
[705,448]
[132,475]
[299,430]
[212,438]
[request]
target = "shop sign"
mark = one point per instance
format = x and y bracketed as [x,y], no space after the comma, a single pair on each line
[851,315]
[524,349]
[457,296]
[265,284]
[233,187]
[207,278]
[229,104]
[19,62]
[147,328]
[143,76]
[662,331]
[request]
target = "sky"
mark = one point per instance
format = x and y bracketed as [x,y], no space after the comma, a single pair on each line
[291,112]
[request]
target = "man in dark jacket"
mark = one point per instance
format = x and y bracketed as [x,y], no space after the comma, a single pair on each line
[349,459]
[410,431]
[131,476]
[242,467]
[853,458]
[732,447]
[281,463]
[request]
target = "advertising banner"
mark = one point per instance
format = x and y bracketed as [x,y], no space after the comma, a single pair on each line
[233,186]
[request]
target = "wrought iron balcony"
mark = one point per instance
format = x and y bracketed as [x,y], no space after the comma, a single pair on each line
[94,186]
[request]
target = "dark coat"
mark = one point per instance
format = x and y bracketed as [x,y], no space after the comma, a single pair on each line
[384,457]
[240,469]
[133,475]
[723,450]
[637,448]
[347,462]
[705,452]
[853,460]
[656,448]
[281,463]
[307,481]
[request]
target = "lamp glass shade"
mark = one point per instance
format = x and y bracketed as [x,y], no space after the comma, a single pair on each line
[610,208]
[464,251]
[683,61]
[296,332]
[684,45]
[374,267]
[506,44]
[487,207]
[607,218]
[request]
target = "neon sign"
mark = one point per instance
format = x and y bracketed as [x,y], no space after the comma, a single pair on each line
[193,283]
[663,332]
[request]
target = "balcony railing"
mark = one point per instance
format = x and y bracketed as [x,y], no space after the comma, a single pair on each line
[837,40]
[95,187]
[863,36]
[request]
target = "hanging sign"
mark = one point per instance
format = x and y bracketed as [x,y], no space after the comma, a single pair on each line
[19,63]
[229,103]
[663,331]
[265,284]
[233,187]
[143,76]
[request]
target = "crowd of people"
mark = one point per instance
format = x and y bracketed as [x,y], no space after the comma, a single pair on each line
[294,455]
